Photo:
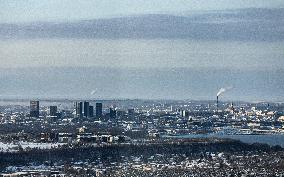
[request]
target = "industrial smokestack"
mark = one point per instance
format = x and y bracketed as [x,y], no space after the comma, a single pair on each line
[217,103]
[220,92]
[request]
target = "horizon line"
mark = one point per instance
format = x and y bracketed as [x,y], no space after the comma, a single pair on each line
[75,99]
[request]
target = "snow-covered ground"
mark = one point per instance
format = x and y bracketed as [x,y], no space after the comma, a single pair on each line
[13,147]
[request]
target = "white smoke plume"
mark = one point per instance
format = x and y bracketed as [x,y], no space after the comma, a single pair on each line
[94,91]
[223,90]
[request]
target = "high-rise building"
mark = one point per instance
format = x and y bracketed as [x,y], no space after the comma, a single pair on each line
[53,110]
[34,108]
[112,113]
[79,109]
[184,113]
[99,109]
[86,109]
[91,111]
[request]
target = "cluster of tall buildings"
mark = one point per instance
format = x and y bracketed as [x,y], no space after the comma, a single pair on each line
[34,109]
[84,109]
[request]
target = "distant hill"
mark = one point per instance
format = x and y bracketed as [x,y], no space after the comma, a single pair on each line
[244,25]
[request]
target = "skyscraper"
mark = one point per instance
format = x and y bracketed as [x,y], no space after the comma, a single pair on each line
[34,108]
[112,113]
[86,109]
[91,111]
[53,110]
[79,109]
[99,109]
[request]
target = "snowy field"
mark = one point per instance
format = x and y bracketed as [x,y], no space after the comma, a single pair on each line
[13,147]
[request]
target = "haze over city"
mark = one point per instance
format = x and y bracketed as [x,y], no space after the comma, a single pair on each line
[140,88]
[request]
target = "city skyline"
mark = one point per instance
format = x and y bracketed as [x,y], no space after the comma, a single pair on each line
[115,88]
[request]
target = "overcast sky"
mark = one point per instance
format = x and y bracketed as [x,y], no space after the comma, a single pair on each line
[236,45]
[245,48]
[141,53]
[62,10]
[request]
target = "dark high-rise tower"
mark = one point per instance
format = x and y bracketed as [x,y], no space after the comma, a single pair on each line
[99,109]
[79,109]
[112,113]
[91,111]
[53,110]
[86,109]
[217,103]
[34,108]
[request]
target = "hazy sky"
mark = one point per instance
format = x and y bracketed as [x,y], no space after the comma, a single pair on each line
[141,53]
[240,48]
[57,10]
